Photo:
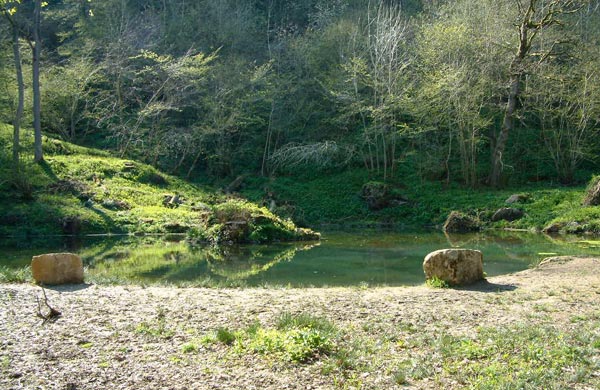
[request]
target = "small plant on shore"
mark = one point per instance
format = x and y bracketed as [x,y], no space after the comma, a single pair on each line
[436,282]
[157,328]
[296,338]
[15,275]
[189,348]
[225,336]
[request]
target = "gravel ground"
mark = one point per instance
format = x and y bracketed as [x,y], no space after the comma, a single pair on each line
[100,341]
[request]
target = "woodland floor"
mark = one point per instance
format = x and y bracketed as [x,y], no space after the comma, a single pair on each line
[124,337]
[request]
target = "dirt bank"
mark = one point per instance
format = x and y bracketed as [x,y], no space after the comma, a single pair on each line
[104,337]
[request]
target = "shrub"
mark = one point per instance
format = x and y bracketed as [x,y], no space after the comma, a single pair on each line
[239,221]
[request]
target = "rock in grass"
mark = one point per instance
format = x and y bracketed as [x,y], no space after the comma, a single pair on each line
[592,195]
[507,214]
[57,268]
[458,222]
[457,267]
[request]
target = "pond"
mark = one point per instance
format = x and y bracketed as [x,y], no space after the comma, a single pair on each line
[366,258]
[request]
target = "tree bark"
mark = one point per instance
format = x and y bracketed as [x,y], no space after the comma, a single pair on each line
[37,124]
[507,127]
[537,16]
[20,99]
[514,89]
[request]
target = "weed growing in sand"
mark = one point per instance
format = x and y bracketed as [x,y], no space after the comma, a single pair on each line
[5,363]
[189,348]
[225,336]
[436,282]
[156,328]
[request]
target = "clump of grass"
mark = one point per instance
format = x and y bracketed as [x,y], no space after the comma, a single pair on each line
[189,348]
[296,338]
[156,328]
[225,336]
[436,282]
[15,275]
[303,320]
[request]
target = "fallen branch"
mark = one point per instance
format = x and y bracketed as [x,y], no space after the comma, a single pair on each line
[52,314]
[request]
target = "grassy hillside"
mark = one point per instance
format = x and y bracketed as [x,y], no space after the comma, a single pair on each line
[337,199]
[80,190]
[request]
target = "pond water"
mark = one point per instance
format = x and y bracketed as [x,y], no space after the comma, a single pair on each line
[372,258]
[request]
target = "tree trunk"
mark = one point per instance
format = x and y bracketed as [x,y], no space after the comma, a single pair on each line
[507,127]
[37,124]
[514,89]
[20,103]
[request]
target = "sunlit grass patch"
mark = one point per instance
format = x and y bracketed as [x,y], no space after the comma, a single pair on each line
[299,339]
[521,356]
[15,275]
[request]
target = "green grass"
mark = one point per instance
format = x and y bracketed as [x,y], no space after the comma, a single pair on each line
[335,199]
[436,282]
[15,275]
[296,338]
[79,190]
[521,356]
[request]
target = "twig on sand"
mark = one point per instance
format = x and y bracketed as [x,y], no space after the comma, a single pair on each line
[52,314]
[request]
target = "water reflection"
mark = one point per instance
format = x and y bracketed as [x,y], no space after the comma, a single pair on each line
[340,259]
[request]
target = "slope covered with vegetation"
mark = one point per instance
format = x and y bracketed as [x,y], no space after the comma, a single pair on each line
[79,190]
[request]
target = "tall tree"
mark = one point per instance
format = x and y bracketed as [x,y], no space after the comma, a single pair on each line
[534,16]
[9,9]
[37,108]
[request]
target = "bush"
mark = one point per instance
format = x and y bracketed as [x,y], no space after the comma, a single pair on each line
[239,221]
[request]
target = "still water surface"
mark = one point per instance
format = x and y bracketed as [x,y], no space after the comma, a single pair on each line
[372,258]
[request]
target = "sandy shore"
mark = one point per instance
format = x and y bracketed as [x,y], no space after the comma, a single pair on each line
[98,342]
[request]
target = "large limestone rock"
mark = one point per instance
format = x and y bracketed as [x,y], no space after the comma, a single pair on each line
[458,267]
[57,268]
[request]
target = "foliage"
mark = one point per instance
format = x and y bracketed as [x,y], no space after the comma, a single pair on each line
[239,221]
[331,93]
[436,282]
[79,190]
[300,339]
[15,275]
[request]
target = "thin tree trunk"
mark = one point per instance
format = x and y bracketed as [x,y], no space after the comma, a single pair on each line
[37,124]
[21,93]
[507,127]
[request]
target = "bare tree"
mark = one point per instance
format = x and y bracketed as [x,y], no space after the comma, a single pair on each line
[534,16]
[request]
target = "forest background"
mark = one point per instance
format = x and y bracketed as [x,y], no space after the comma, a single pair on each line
[468,94]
